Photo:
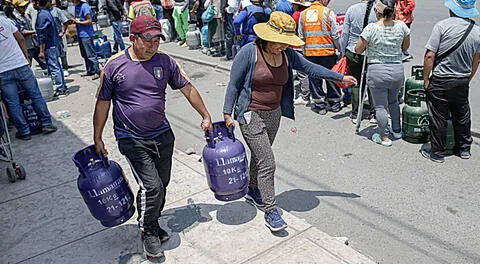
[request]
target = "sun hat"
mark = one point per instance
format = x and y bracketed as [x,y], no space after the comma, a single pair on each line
[20,2]
[300,2]
[146,26]
[279,28]
[462,8]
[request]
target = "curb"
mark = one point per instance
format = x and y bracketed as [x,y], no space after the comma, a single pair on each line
[475,134]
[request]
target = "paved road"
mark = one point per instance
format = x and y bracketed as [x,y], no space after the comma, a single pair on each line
[393,204]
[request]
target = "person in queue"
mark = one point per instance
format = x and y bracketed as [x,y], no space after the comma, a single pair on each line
[261,91]
[384,41]
[141,128]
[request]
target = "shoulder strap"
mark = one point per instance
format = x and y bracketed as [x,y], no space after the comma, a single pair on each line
[367,13]
[460,42]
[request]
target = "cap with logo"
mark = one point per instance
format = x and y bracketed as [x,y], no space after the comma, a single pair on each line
[147,27]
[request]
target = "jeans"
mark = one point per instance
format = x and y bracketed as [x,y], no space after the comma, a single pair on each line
[229,35]
[151,164]
[52,55]
[117,36]
[319,96]
[23,78]
[445,97]
[87,50]
[33,54]
[158,11]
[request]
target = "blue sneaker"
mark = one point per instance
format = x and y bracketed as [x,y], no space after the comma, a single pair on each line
[254,197]
[274,221]
[427,153]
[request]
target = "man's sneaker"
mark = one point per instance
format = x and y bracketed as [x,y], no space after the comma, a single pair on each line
[254,197]
[274,221]
[335,107]
[49,129]
[397,135]
[353,117]
[23,136]
[427,153]
[372,119]
[162,235]
[300,101]
[61,94]
[95,76]
[181,42]
[66,73]
[151,244]
[465,154]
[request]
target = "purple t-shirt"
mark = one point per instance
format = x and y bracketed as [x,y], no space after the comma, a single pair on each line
[137,90]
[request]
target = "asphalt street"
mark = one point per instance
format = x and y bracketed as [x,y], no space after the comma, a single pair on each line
[392,204]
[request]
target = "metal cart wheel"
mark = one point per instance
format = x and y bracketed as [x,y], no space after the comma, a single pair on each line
[20,171]
[12,177]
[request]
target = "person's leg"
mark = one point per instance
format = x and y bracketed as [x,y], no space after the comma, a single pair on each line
[334,93]
[460,110]
[10,97]
[55,69]
[397,72]
[438,109]
[184,21]
[91,55]
[83,53]
[151,193]
[178,23]
[163,160]
[379,89]
[27,81]
[319,103]
[117,36]
[229,35]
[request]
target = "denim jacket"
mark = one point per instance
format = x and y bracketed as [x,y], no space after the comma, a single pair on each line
[239,91]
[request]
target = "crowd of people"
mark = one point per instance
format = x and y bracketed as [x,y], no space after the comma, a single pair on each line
[271,51]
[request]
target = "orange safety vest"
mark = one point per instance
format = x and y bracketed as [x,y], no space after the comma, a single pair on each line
[317,31]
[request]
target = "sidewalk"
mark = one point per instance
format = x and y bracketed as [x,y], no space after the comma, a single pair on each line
[46,221]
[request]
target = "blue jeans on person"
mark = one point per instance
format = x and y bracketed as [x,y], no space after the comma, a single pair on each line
[52,55]
[23,78]
[158,11]
[117,36]
[229,35]
[33,54]
[87,50]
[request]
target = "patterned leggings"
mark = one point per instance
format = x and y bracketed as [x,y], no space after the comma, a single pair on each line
[259,135]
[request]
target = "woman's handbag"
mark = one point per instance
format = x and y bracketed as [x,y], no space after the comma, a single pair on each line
[342,68]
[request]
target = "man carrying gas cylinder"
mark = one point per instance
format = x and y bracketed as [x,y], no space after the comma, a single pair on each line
[141,128]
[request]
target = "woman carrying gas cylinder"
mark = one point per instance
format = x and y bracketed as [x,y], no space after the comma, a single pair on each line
[384,42]
[261,91]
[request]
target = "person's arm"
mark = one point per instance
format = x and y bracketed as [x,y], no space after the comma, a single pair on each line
[406,43]
[22,43]
[299,63]
[333,23]
[194,98]
[241,64]
[345,34]
[238,22]
[476,60]
[193,12]
[64,20]
[100,117]
[428,61]
[361,45]
[88,19]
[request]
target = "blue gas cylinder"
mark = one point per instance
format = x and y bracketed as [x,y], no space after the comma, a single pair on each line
[31,117]
[125,28]
[225,163]
[106,47]
[103,187]
[204,36]
[97,46]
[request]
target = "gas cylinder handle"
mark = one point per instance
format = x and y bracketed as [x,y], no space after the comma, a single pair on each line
[417,68]
[231,135]
[210,139]
[104,160]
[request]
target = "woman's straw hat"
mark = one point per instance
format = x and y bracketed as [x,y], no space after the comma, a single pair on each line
[280,28]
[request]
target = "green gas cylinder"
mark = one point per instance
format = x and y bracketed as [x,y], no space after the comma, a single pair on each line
[415,118]
[415,81]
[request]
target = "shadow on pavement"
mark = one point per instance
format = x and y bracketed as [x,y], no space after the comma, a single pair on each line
[304,200]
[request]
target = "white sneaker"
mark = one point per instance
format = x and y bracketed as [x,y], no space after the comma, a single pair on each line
[300,101]
[397,135]
[65,73]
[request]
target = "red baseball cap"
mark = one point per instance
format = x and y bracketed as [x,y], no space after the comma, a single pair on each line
[146,26]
